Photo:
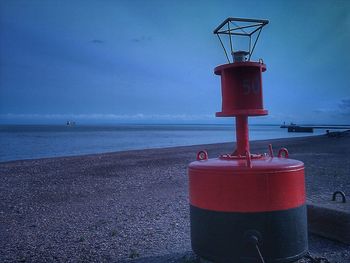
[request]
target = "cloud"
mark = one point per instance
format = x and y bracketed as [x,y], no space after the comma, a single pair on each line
[344,107]
[142,39]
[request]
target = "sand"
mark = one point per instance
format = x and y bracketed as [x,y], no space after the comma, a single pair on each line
[131,205]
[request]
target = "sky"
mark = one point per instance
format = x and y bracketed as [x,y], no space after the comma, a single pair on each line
[152,61]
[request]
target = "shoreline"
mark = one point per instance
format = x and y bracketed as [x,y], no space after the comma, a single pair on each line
[34,142]
[132,204]
[158,148]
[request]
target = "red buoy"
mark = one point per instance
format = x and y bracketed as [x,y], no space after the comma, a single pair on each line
[246,207]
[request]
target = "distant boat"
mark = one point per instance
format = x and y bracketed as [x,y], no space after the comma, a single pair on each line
[70,123]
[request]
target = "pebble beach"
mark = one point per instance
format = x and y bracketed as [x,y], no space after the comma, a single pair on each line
[133,205]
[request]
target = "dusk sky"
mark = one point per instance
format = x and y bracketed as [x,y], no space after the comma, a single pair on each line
[152,61]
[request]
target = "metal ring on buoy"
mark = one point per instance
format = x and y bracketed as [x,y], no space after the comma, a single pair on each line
[283,150]
[202,155]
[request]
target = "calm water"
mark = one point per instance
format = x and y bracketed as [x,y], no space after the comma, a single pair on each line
[37,141]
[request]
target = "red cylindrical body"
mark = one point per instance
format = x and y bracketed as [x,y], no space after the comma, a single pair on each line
[229,200]
[241,86]
[232,186]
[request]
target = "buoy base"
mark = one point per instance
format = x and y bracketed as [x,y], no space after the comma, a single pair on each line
[224,236]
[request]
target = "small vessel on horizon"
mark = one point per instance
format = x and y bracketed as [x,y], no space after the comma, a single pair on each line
[70,123]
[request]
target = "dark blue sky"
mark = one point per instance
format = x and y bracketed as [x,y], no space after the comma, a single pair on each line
[152,61]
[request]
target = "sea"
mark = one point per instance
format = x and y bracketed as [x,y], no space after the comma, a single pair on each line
[19,142]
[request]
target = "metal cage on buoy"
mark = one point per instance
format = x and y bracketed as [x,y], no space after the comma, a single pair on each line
[246,207]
